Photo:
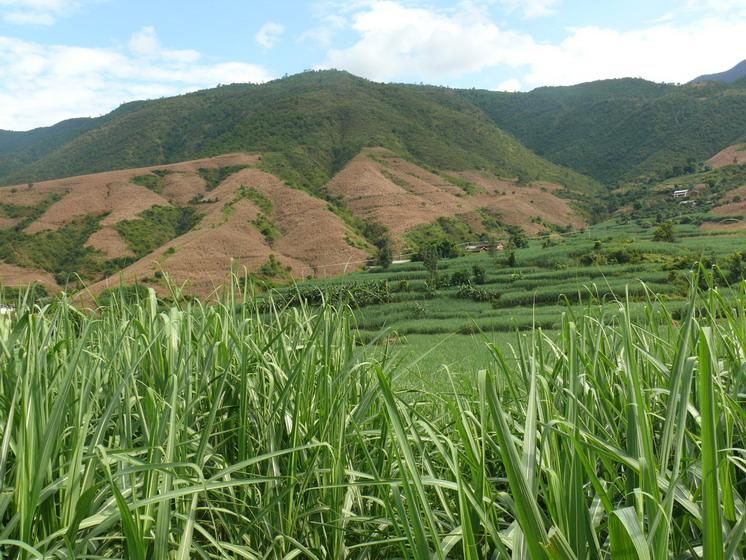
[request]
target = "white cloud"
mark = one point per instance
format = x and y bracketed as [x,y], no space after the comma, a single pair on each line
[145,43]
[43,84]
[399,41]
[36,12]
[530,9]
[324,33]
[663,53]
[730,7]
[511,85]
[269,34]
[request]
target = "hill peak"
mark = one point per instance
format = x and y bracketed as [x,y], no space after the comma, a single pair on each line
[729,76]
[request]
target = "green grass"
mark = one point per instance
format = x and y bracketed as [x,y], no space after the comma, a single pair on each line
[177,430]
[432,360]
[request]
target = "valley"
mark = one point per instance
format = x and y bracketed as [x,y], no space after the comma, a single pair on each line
[325,317]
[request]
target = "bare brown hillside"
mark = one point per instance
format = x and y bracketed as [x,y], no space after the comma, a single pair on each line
[247,218]
[381,187]
[313,240]
[16,276]
[732,155]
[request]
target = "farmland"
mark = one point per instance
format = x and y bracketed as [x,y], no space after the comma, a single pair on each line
[602,266]
[555,408]
[158,429]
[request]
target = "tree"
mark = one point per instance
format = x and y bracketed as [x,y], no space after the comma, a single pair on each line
[517,237]
[480,276]
[378,235]
[385,254]
[491,245]
[664,232]
[736,264]
[429,254]
[511,259]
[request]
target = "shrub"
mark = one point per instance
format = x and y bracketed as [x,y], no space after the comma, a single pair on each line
[267,228]
[156,226]
[665,232]
[153,182]
[273,269]
[460,278]
[214,176]
[517,237]
[479,274]
[736,265]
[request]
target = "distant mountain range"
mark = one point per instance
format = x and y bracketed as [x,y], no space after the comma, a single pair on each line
[309,126]
[738,72]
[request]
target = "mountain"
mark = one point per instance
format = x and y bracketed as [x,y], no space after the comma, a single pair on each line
[736,73]
[310,173]
[303,175]
[310,125]
[617,130]
[307,126]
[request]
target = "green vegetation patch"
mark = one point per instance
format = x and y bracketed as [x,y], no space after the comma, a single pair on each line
[272,269]
[443,230]
[257,197]
[14,211]
[267,228]
[648,200]
[61,252]
[464,184]
[27,214]
[213,176]
[156,226]
[153,182]
[354,293]
[13,295]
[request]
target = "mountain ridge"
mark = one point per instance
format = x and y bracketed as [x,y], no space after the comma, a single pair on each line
[310,125]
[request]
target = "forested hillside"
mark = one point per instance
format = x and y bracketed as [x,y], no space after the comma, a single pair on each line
[615,130]
[308,126]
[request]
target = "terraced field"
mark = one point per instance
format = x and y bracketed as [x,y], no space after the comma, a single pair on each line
[448,326]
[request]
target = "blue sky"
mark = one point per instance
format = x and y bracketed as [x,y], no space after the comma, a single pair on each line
[66,58]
